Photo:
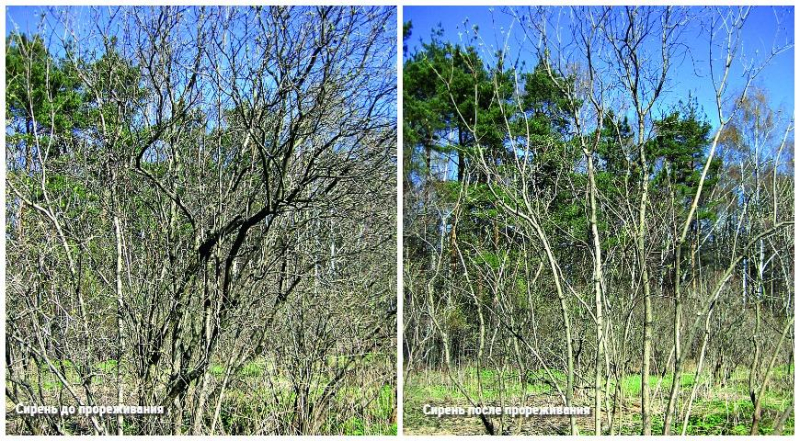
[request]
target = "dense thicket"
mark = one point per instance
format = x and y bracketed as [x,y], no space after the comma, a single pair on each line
[199,217]
[573,223]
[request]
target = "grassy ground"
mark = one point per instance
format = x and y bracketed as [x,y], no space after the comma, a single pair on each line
[254,394]
[717,410]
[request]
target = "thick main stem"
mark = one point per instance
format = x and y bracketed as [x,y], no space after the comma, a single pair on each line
[598,295]
[647,331]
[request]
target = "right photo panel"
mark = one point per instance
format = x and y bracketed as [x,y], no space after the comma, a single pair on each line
[598,220]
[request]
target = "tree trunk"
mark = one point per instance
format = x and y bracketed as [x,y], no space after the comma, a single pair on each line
[597,279]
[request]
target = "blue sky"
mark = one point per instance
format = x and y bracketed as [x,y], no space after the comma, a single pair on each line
[20,16]
[760,29]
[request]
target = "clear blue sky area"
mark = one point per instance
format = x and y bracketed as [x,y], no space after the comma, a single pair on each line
[23,17]
[759,32]
[26,19]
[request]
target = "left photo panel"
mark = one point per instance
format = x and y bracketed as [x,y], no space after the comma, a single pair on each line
[201,220]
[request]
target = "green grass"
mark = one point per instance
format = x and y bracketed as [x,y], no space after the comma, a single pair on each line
[216,370]
[354,426]
[631,385]
[250,398]
[386,400]
[541,373]
[107,366]
[252,369]
[717,410]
